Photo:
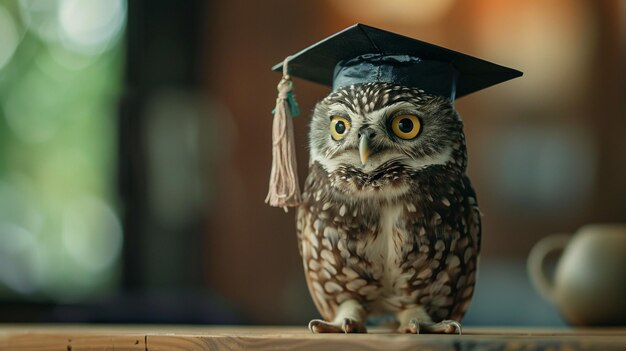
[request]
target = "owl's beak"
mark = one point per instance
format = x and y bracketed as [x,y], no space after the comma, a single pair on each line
[364,147]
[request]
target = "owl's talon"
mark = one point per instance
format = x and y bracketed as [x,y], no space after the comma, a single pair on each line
[413,327]
[351,326]
[444,327]
[348,326]
[318,326]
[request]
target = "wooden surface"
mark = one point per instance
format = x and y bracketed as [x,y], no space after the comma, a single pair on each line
[76,338]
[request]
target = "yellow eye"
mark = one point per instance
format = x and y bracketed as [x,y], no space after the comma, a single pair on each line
[339,126]
[406,126]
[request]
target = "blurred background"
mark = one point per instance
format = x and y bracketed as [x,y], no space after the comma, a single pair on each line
[135,149]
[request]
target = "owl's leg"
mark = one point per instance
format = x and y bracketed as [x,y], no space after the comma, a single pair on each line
[416,320]
[350,318]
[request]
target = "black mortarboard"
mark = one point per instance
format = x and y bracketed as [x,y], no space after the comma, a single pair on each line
[361,53]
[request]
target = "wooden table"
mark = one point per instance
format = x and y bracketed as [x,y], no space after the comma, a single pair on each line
[152,338]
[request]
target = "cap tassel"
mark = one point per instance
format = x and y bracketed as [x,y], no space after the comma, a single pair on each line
[284,188]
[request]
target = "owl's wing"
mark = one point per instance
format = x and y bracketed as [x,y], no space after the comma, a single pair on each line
[472,212]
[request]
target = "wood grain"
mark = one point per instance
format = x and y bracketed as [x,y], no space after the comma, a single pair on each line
[153,338]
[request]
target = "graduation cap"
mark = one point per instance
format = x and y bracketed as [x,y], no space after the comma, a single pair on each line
[364,54]
[361,54]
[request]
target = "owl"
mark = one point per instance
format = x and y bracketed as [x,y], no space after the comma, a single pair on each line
[388,223]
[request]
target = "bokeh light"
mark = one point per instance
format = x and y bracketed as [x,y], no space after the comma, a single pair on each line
[33,122]
[20,225]
[397,12]
[555,65]
[40,17]
[92,234]
[8,36]
[89,26]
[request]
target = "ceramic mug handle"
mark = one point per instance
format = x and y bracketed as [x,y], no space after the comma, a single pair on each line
[536,262]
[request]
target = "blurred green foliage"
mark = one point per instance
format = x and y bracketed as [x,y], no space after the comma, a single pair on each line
[59,235]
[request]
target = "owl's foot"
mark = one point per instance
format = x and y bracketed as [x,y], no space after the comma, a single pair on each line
[417,321]
[443,327]
[348,325]
[348,319]
[413,327]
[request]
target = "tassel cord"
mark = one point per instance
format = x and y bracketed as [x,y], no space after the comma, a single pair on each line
[284,190]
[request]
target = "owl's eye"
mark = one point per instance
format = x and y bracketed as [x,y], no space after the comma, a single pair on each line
[406,127]
[339,127]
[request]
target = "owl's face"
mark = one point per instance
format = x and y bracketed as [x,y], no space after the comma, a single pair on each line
[372,138]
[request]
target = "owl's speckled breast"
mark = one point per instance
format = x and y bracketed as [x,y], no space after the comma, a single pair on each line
[383,251]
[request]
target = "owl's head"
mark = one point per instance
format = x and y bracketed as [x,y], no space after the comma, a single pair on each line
[373,138]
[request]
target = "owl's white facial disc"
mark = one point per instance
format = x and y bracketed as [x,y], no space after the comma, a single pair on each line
[406,131]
